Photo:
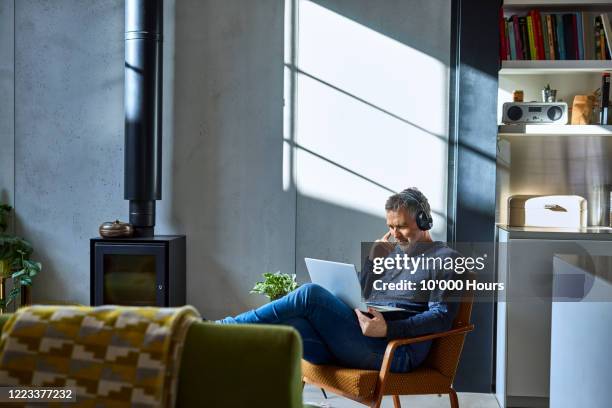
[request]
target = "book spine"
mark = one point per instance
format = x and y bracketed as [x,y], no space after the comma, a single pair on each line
[605,98]
[508,54]
[575,37]
[602,44]
[597,35]
[532,47]
[567,33]
[561,37]
[580,37]
[553,21]
[608,34]
[511,40]
[539,35]
[502,36]
[517,38]
[544,30]
[551,37]
[602,40]
[588,38]
[524,37]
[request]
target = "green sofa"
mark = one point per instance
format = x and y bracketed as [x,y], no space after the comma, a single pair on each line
[239,366]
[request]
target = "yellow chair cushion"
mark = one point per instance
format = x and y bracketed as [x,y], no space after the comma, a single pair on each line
[348,380]
[361,383]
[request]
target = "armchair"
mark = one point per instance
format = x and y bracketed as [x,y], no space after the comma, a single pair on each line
[434,376]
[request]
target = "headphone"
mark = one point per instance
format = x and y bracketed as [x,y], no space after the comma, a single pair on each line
[423,220]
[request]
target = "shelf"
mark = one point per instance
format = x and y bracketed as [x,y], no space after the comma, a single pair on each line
[554,130]
[531,3]
[546,67]
[576,5]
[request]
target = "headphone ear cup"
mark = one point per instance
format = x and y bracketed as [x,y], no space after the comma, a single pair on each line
[423,221]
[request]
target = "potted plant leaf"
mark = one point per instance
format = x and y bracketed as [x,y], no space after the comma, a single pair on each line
[276,285]
[15,262]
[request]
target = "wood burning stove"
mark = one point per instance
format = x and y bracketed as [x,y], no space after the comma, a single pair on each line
[138,271]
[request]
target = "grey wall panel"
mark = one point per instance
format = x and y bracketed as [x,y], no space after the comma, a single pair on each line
[7,124]
[226,176]
[69,132]
[473,156]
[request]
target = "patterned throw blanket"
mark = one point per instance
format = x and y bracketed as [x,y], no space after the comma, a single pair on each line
[113,356]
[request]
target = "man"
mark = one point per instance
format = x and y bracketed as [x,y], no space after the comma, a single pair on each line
[333,333]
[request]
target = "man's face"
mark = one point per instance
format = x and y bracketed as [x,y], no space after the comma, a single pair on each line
[403,226]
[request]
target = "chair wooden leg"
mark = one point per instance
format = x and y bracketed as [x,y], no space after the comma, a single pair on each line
[377,402]
[454,402]
[396,402]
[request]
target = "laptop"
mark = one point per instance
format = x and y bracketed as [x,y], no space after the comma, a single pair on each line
[341,280]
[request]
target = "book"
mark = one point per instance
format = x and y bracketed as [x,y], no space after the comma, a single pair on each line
[511,41]
[508,55]
[602,44]
[539,35]
[524,37]
[545,37]
[502,35]
[560,37]
[520,52]
[576,52]
[598,40]
[551,37]
[588,38]
[580,38]
[532,48]
[568,36]
[605,21]
[603,54]
[605,98]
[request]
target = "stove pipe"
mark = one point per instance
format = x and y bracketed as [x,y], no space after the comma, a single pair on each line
[143,111]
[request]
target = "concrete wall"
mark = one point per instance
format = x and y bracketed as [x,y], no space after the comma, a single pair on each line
[69,134]
[7,123]
[238,174]
[227,187]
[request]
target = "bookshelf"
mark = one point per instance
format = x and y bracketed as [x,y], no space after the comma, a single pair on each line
[569,76]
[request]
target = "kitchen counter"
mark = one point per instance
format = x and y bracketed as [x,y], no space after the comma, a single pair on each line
[597,233]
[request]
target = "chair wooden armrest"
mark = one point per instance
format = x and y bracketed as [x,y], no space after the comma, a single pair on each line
[393,344]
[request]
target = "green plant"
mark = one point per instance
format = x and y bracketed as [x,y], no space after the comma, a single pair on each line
[15,262]
[275,285]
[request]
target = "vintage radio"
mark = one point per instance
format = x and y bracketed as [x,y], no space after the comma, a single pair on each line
[535,112]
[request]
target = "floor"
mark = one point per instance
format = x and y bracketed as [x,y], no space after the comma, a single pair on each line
[315,397]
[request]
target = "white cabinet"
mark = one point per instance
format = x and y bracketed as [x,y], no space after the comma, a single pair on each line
[525,265]
[580,337]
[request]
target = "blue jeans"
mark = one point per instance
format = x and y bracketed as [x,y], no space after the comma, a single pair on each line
[329,328]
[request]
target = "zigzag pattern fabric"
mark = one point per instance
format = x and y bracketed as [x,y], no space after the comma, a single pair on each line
[111,355]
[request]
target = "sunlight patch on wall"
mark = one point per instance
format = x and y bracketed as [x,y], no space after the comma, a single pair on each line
[380,70]
[371,116]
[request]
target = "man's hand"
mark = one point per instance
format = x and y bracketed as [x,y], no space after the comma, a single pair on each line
[372,327]
[382,247]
